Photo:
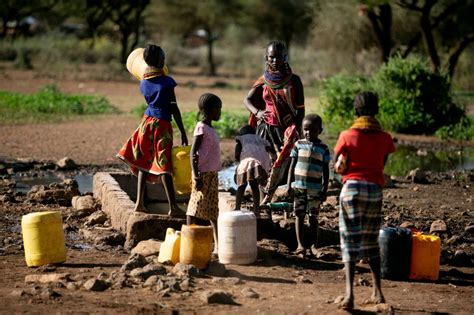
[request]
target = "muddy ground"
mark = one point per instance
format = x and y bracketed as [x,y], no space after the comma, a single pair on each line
[278,282]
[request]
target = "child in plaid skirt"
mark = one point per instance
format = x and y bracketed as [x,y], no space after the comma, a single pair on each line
[366,147]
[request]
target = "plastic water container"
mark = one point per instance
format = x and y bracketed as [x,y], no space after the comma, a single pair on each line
[136,65]
[169,250]
[43,238]
[395,253]
[425,257]
[237,234]
[196,245]
[180,157]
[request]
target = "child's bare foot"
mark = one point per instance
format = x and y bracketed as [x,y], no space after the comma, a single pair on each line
[374,299]
[175,211]
[345,303]
[139,208]
[300,251]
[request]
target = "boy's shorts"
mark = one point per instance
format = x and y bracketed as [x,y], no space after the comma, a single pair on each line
[305,202]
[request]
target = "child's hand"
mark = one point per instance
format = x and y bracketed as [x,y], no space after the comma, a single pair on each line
[198,182]
[184,139]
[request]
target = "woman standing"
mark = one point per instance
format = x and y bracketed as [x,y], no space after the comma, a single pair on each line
[276,104]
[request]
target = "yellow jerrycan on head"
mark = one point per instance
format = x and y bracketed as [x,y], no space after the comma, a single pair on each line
[169,250]
[136,65]
[180,158]
[43,238]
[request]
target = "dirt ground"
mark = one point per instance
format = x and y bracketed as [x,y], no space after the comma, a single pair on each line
[284,283]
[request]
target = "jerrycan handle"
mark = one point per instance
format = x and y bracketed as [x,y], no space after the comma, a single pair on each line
[170,232]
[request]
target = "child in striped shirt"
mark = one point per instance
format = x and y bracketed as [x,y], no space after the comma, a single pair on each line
[310,170]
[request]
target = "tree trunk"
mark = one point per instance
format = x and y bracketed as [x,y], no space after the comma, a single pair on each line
[454,57]
[428,39]
[124,44]
[210,54]
[382,25]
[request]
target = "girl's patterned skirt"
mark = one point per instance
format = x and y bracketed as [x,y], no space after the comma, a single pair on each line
[360,220]
[204,203]
[149,148]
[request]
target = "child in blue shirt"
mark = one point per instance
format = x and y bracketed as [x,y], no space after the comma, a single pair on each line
[310,170]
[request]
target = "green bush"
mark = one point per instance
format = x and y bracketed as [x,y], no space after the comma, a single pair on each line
[413,99]
[337,98]
[226,127]
[463,130]
[49,104]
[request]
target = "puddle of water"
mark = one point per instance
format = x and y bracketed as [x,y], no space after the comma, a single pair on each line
[24,184]
[407,158]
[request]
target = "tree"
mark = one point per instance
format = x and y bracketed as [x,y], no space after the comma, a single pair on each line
[430,20]
[286,20]
[380,17]
[127,16]
[434,15]
[206,18]
[17,10]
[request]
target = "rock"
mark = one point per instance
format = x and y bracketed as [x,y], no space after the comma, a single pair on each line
[96,285]
[216,269]
[388,183]
[48,294]
[250,293]
[439,227]
[408,225]
[461,259]
[134,261]
[52,277]
[151,281]
[66,164]
[217,297]
[147,271]
[379,308]
[303,279]
[97,217]
[417,176]
[7,198]
[61,194]
[147,248]
[72,286]
[455,239]
[185,284]
[111,239]
[85,204]
[185,270]
[469,229]
[328,253]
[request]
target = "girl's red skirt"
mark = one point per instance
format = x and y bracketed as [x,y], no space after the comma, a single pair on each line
[149,148]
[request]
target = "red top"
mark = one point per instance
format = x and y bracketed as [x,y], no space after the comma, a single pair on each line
[365,152]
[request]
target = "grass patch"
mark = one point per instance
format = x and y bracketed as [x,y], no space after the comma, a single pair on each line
[49,105]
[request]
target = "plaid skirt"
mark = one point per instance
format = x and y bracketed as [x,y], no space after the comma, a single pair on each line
[204,203]
[149,148]
[360,220]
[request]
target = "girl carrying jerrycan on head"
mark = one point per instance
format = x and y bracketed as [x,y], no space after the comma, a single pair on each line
[205,163]
[148,150]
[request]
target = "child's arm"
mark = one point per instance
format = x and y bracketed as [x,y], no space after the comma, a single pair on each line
[238,150]
[291,172]
[177,117]
[325,181]
[197,141]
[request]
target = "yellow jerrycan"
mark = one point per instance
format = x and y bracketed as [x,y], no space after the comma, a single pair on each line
[180,157]
[136,65]
[43,238]
[425,257]
[196,245]
[169,250]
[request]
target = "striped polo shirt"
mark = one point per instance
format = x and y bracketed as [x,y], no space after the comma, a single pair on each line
[311,157]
